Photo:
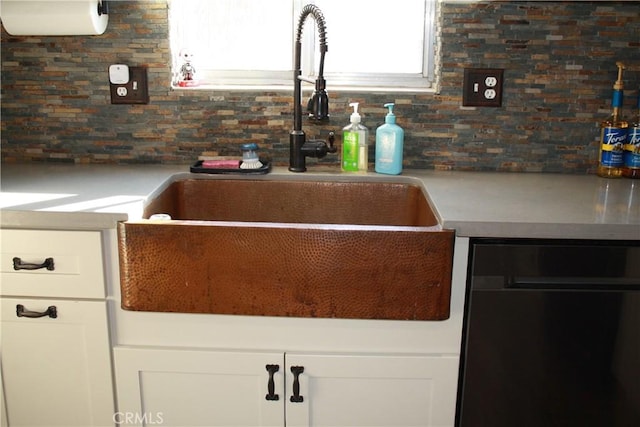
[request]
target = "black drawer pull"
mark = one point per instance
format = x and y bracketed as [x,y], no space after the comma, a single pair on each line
[19,265]
[296,371]
[52,312]
[271,386]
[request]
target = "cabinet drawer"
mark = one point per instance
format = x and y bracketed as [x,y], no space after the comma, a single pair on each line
[56,371]
[76,256]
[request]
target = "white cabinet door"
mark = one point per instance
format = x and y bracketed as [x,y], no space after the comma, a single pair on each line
[385,390]
[56,370]
[194,387]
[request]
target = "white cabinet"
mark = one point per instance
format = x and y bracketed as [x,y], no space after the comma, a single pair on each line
[56,371]
[55,355]
[371,390]
[199,387]
[181,387]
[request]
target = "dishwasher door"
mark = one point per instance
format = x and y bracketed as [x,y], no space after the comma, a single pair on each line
[552,334]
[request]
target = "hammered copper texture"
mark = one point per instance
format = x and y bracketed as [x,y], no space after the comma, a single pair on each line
[321,202]
[332,272]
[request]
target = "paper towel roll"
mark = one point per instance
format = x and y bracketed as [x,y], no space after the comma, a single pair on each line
[52,17]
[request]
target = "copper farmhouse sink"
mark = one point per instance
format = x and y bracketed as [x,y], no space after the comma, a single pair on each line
[282,246]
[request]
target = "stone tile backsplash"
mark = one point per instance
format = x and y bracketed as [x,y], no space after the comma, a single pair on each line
[559,60]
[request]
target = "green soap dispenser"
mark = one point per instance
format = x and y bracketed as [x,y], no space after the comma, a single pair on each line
[354,143]
[389,145]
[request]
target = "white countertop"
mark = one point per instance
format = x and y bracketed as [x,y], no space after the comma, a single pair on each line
[476,204]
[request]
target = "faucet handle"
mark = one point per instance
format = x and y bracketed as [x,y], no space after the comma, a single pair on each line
[319,148]
[330,140]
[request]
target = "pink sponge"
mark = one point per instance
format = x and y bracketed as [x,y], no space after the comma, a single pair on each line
[221,164]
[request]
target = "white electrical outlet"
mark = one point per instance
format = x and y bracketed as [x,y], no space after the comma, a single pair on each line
[491,81]
[482,87]
[490,93]
[128,85]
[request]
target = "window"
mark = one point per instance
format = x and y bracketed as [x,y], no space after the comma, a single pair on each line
[245,43]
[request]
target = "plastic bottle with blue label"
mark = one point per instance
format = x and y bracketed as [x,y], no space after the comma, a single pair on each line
[389,145]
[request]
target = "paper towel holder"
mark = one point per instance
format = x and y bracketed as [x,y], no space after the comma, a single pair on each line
[55,17]
[103,7]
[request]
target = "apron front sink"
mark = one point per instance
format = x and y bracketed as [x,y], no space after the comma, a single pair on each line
[361,248]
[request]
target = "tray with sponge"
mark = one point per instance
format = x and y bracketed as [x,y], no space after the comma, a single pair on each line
[231,166]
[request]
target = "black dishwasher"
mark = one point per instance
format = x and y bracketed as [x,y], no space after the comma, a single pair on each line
[551,334]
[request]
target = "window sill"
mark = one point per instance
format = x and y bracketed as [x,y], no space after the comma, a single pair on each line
[289,88]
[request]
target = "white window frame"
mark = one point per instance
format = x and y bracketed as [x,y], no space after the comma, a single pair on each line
[361,82]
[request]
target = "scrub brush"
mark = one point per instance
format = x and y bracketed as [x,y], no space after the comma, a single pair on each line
[250,158]
[251,164]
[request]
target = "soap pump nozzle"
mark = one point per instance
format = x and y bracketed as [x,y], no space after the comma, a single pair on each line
[355,116]
[390,117]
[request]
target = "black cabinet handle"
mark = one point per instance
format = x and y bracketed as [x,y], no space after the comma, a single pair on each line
[296,371]
[52,312]
[271,386]
[19,265]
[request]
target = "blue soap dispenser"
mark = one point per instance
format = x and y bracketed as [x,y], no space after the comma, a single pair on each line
[389,145]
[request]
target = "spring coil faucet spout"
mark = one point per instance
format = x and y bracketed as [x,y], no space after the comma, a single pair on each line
[318,104]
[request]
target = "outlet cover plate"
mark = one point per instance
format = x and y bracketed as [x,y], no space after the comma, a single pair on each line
[482,87]
[135,91]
